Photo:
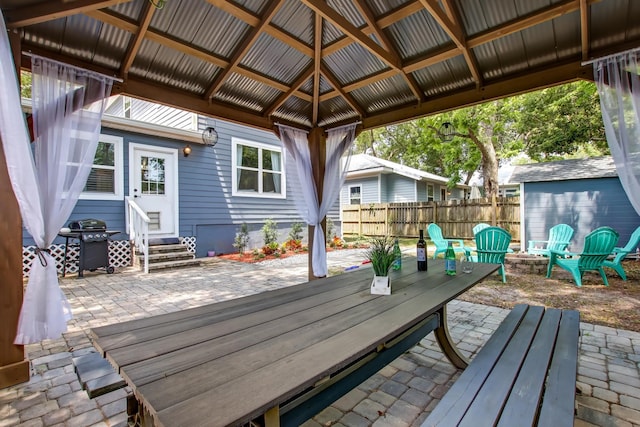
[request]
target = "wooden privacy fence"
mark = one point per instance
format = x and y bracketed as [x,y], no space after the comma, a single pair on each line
[456,217]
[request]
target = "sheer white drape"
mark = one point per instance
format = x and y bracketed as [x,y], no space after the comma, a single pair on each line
[299,165]
[67,126]
[618,85]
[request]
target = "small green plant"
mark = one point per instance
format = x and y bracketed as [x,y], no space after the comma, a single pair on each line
[270,231]
[330,230]
[380,253]
[296,231]
[242,238]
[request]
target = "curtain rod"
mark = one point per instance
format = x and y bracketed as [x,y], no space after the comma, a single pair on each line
[33,55]
[613,55]
[343,126]
[280,125]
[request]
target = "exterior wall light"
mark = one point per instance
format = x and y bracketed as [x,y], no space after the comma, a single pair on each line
[186,150]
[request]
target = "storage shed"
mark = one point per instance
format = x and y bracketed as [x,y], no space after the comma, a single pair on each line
[584,193]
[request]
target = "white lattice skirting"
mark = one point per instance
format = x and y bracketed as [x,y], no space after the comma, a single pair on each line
[119,254]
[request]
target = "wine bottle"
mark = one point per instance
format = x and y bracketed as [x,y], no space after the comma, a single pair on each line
[450,260]
[397,254]
[422,253]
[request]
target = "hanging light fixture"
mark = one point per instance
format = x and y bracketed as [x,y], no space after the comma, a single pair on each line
[446,131]
[158,4]
[210,136]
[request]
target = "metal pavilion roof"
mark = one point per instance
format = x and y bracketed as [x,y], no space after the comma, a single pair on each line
[317,63]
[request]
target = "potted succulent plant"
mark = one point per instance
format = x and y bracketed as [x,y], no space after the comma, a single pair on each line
[380,253]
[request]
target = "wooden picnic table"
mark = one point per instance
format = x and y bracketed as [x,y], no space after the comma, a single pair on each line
[283,354]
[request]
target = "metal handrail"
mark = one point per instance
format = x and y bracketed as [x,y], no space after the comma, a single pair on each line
[138,229]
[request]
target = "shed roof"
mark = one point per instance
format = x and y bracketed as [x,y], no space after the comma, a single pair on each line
[322,63]
[593,167]
[360,163]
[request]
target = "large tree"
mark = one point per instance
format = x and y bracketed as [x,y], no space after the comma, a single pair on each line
[557,121]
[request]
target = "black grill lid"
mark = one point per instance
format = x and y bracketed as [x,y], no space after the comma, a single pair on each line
[88,224]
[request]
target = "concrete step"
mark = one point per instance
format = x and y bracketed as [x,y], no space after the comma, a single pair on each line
[156,249]
[193,262]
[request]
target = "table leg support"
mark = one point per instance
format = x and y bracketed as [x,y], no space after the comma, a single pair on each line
[446,343]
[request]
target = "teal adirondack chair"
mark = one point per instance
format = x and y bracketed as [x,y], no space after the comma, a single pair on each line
[435,235]
[620,253]
[597,246]
[559,238]
[480,227]
[492,244]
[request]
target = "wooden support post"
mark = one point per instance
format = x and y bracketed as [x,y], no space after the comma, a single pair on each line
[317,148]
[14,368]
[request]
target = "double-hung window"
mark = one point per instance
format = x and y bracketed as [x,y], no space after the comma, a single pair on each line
[258,170]
[105,181]
[429,192]
[355,195]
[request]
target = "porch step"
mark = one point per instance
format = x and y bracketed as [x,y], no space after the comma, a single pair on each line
[168,255]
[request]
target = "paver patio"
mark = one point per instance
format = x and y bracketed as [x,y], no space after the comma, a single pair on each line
[401,394]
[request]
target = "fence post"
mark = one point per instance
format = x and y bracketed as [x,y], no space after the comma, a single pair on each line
[359,220]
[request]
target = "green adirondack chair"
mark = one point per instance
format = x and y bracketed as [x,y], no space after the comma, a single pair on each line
[435,235]
[559,238]
[492,244]
[620,253]
[479,227]
[597,246]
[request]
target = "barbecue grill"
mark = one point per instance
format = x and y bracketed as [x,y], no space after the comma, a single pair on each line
[93,238]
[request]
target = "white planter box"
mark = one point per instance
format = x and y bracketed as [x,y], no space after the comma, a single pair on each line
[381,285]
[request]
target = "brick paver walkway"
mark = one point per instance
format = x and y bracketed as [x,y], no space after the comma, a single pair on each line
[402,394]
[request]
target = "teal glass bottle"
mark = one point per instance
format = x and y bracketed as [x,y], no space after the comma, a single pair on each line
[450,260]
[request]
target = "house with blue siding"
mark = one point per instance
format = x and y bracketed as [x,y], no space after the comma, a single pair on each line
[200,196]
[584,193]
[373,180]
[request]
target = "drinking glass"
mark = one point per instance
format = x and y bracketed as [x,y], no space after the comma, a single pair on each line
[466,265]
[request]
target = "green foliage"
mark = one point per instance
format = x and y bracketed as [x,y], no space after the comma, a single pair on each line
[380,253]
[330,232]
[296,231]
[242,238]
[270,232]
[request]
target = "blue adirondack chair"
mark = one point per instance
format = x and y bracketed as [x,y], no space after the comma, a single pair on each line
[597,246]
[559,238]
[620,253]
[435,235]
[492,245]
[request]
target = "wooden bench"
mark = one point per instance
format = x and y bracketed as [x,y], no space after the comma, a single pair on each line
[525,375]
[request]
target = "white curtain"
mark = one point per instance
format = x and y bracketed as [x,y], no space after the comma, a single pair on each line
[299,164]
[66,126]
[618,82]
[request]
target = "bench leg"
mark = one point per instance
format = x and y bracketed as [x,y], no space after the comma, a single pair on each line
[272,417]
[446,344]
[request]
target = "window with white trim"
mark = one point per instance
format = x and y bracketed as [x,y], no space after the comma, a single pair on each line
[258,170]
[105,181]
[429,192]
[355,195]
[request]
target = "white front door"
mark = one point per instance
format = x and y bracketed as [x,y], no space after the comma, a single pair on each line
[153,182]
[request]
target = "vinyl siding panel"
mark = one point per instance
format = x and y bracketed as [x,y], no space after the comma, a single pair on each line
[401,189]
[583,204]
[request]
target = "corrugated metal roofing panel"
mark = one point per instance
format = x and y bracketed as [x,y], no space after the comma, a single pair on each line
[246,93]
[271,57]
[348,10]
[295,110]
[294,18]
[539,44]
[567,31]
[382,7]
[384,95]
[129,9]
[354,63]
[255,6]
[416,34]
[82,42]
[111,47]
[47,35]
[180,18]
[601,33]
[330,33]
[220,32]
[445,76]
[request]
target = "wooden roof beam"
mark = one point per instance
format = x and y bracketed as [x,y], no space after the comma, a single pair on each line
[352,31]
[292,91]
[584,29]
[48,11]
[317,60]
[134,45]
[339,91]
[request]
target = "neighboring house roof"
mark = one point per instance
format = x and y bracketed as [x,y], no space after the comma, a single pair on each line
[361,164]
[593,167]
